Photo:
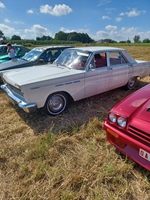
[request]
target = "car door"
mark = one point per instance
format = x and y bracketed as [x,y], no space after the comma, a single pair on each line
[97,76]
[119,68]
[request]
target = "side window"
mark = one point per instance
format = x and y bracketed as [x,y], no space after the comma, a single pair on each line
[3,50]
[17,51]
[48,55]
[100,60]
[116,58]
[57,53]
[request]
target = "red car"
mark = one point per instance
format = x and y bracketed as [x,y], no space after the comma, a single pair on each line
[128,126]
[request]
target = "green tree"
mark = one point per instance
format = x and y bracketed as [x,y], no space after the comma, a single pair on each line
[108,41]
[60,36]
[44,37]
[136,39]
[146,40]
[84,38]
[73,36]
[1,34]
[15,37]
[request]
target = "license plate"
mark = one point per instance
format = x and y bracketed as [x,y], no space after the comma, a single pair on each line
[144,154]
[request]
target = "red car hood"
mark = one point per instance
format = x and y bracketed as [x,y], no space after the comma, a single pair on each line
[137,104]
[143,112]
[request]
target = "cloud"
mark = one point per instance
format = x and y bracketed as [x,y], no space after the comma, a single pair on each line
[57,10]
[109,10]
[74,30]
[133,13]
[30,11]
[118,19]
[102,35]
[122,34]
[2,5]
[111,28]
[7,30]
[122,14]
[36,31]
[144,35]
[18,22]
[6,20]
[103,2]
[105,17]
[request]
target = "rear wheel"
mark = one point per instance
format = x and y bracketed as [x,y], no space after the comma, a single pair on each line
[56,103]
[131,83]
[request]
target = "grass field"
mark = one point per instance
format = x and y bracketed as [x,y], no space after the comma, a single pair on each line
[67,157]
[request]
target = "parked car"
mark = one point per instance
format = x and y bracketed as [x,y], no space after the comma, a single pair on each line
[19,52]
[76,74]
[36,56]
[128,126]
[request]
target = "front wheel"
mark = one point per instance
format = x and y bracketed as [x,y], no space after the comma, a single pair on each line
[56,103]
[131,83]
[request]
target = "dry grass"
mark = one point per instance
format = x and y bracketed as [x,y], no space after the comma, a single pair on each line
[67,157]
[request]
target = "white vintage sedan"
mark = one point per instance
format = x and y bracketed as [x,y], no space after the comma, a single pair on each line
[76,74]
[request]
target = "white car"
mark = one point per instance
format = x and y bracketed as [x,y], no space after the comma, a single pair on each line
[76,74]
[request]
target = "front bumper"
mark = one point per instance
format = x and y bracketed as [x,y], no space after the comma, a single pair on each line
[27,107]
[126,145]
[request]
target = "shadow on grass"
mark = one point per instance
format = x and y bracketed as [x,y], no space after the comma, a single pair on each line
[77,114]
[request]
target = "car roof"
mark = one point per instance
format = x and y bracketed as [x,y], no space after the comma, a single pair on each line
[14,45]
[98,48]
[52,47]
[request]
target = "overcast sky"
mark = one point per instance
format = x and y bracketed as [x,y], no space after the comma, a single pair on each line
[100,19]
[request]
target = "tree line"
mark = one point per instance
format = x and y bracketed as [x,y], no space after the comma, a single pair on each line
[59,38]
[66,38]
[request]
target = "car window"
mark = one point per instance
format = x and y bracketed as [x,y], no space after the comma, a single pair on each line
[56,53]
[116,58]
[17,51]
[47,55]
[33,54]
[100,60]
[73,59]
[3,49]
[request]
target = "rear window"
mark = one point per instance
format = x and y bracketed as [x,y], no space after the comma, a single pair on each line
[116,58]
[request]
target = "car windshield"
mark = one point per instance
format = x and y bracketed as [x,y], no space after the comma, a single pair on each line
[73,59]
[33,54]
[3,49]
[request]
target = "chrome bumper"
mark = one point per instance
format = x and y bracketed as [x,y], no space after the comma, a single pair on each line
[27,107]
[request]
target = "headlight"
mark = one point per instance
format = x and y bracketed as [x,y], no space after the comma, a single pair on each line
[112,117]
[17,86]
[121,122]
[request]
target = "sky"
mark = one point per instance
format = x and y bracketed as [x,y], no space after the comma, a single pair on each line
[118,20]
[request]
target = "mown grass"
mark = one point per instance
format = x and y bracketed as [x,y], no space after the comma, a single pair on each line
[67,157]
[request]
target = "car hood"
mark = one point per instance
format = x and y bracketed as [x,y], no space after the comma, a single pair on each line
[13,64]
[37,74]
[136,104]
[143,112]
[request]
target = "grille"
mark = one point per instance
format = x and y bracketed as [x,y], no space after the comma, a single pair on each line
[139,135]
[14,90]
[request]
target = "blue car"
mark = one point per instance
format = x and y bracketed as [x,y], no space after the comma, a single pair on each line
[36,56]
[19,52]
